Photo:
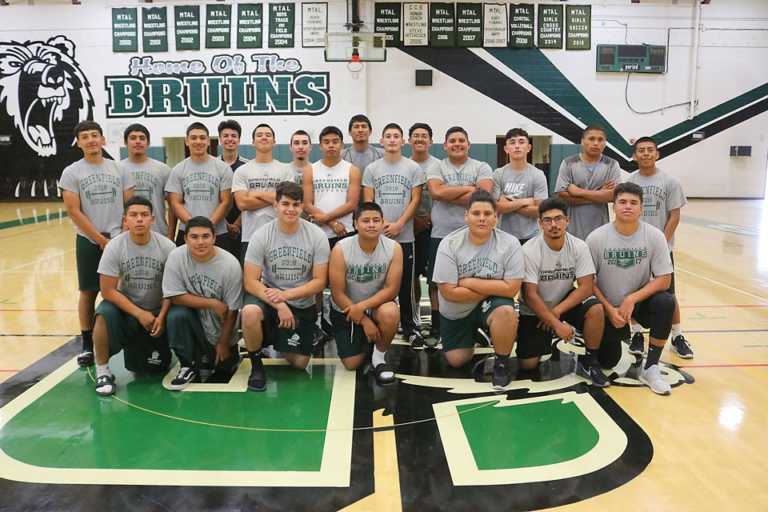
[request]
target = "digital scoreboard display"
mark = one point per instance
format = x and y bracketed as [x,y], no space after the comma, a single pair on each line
[634,58]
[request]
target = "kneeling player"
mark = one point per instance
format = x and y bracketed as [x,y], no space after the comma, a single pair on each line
[554,261]
[132,314]
[365,273]
[286,265]
[205,286]
[633,274]
[478,270]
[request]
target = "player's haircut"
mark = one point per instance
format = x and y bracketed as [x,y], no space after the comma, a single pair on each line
[301,132]
[290,190]
[593,128]
[628,188]
[481,196]
[417,126]
[262,125]
[645,139]
[368,206]
[230,124]
[517,132]
[456,129]
[138,200]
[197,126]
[359,118]
[86,126]
[392,126]
[331,130]
[199,222]
[135,127]
[553,203]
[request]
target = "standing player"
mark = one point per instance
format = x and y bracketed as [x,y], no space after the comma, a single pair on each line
[555,261]
[254,184]
[205,286]
[200,185]
[286,265]
[364,275]
[133,312]
[301,146]
[633,275]
[450,185]
[478,271]
[520,187]
[662,199]
[331,194]
[395,182]
[94,190]
[150,177]
[361,153]
[420,139]
[586,181]
[229,139]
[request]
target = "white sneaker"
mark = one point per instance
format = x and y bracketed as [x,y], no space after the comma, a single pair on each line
[653,378]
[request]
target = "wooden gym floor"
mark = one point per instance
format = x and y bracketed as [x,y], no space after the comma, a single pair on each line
[436,440]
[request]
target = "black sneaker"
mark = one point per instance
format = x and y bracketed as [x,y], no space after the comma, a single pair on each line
[105,385]
[258,379]
[416,340]
[85,358]
[431,342]
[183,378]
[593,374]
[681,347]
[501,375]
[637,344]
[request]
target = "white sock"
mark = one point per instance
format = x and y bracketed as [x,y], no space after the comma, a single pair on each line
[636,328]
[378,357]
[102,369]
[676,331]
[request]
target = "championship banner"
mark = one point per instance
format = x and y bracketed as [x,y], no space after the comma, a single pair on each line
[218,26]
[314,24]
[186,28]
[521,25]
[416,24]
[469,25]
[154,29]
[282,24]
[494,25]
[578,27]
[551,26]
[250,25]
[442,25]
[386,20]
[125,30]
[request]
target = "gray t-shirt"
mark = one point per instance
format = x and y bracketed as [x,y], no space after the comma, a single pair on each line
[392,184]
[361,159]
[625,264]
[150,178]
[200,186]
[100,187]
[287,260]
[366,273]
[425,206]
[263,177]
[529,182]
[446,216]
[554,272]
[499,258]
[139,267]
[662,193]
[218,278]
[298,173]
[585,218]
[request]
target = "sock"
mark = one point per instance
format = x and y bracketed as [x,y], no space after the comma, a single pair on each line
[377,357]
[102,369]
[589,359]
[636,328]
[676,331]
[654,354]
[87,340]
[436,320]
[500,359]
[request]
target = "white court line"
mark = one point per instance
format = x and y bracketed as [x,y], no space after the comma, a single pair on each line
[764,300]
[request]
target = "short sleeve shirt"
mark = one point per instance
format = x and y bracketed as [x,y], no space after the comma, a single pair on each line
[287,260]
[392,184]
[513,184]
[366,273]
[662,193]
[447,216]
[624,264]
[138,267]
[425,206]
[150,178]
[200,185]
[361,159]
[499,258]
[100,188]
[263,177]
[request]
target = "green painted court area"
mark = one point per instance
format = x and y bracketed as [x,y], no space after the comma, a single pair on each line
[148,427]
[526,435]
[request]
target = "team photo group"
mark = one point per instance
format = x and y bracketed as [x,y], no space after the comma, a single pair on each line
[191,260]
